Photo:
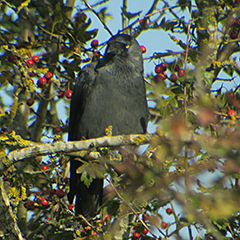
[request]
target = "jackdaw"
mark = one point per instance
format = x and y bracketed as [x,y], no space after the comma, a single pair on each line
[108,92]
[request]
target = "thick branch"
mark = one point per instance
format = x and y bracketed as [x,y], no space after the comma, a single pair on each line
[74,146]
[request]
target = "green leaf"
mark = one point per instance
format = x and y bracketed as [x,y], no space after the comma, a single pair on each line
[86,178]
[104,15]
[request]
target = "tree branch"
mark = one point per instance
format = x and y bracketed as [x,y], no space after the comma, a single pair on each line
[8,222]
[40,149]
[103,23]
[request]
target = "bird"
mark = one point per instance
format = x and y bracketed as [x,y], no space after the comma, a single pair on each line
[108,92]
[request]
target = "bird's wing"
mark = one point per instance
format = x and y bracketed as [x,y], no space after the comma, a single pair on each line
[80,94]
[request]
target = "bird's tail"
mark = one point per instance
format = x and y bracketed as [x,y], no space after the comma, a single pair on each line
[88,199]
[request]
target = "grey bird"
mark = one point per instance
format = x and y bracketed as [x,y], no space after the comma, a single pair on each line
[108,92]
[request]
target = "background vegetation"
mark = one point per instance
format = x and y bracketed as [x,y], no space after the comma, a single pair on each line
[192,161]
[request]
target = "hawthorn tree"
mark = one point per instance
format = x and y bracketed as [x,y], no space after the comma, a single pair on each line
[185,185]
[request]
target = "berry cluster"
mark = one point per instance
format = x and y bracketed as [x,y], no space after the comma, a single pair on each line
[43,80]
[46,198]
[140,230]
[160,70]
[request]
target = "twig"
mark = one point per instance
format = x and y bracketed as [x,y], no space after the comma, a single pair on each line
[124,21]
[185,62]
[143,223]
[103,23]
[148,82]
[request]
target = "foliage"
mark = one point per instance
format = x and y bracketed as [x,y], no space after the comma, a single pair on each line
[192,162]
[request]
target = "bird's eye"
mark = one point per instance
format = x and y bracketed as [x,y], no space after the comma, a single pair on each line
[127,46]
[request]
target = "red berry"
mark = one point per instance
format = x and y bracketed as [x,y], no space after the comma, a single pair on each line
[11,58]
[146,22]
[29,63]
[47,219]
[181,73]
[44,167]
[60,193]
[107,217]
[143,49]
[169,211]
[48,75]
[136,235]
[164,225]
[71,206]
[35,58]
[145,231]
[29,205]
[231,113]
[173,78]
[163,66]
[159,78]
[42,82]
[30,102]
[145,216]
[68,93]
[52,192]
[94,233]
[94,43]
[44,202]
[158,69]
[60,94]
[176,68]
[58,129]
[31,74]
[233,35]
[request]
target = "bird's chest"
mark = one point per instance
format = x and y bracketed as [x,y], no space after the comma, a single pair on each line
[118,79]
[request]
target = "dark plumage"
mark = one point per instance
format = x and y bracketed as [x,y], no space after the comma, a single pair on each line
[108,92]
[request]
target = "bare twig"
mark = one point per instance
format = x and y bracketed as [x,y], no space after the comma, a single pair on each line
[140,220]
[103,23]
[124,20]
[185,62]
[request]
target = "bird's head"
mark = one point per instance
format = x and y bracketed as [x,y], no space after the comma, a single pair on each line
[126,46]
